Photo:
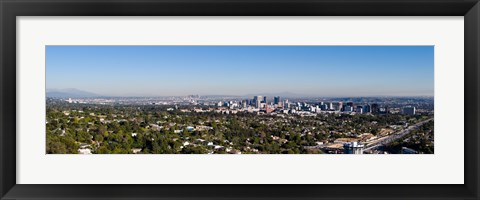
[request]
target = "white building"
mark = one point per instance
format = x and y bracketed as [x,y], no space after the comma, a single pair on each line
[353,148]
[135,151]
[84,151]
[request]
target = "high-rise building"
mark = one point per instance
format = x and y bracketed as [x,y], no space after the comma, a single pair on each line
[366,108]
[264,100]
[324,107]
[340,106]
[359,109]
[286,104]
[276,100]
[245,103]
[409,110]
[348,109]
[257,100]
[350,104]
[375,108]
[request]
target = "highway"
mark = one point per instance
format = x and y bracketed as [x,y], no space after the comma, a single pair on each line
[390,138]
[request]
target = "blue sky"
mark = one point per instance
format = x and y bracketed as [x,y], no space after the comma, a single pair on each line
[240,70]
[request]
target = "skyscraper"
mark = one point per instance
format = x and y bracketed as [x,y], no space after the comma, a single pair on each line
[245,103]
[278,101]
[366,108]
[257,100]
[375,108]
[350,104]
[359,109]
[409,110]
[348,109]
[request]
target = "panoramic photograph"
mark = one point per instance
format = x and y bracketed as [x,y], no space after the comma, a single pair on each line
[239,100]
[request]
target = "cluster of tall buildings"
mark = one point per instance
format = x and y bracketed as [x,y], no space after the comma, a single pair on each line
[260,102]
[351,107]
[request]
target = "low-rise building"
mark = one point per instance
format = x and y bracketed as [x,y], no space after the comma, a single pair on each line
[353,148]
[135,151]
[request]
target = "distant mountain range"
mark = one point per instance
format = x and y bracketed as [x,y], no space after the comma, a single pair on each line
[69,92]
[269,95]
[76,93]
[281,94]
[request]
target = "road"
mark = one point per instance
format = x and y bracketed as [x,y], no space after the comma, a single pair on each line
[390,138]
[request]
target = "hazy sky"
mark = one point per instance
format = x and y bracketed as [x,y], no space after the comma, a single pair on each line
[240,70]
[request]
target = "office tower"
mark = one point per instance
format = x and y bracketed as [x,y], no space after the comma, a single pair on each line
[350,104]
[359,109]
[340,106]
[257,100]
[366,108]
[375,108]
[323,107]
[245,103]
[276,100]
[331,106]
[286,104]
[348,109]
[265,100]
[409,110]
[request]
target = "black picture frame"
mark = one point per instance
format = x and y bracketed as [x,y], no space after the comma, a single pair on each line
[10,9]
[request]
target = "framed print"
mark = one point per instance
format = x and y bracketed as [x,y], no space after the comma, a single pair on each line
[236,99]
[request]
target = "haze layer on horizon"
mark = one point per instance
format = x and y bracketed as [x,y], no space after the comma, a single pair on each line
[241,70]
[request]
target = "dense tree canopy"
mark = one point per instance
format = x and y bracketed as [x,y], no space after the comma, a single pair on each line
[154,129]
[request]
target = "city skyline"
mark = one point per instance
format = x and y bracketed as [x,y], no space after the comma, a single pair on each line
[242,70]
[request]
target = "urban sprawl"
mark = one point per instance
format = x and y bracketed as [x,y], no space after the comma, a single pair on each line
[196,124]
